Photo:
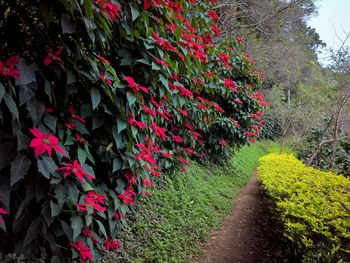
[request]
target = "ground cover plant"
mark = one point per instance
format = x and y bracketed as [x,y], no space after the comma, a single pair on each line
[314,207]
[97,97]
[169,226]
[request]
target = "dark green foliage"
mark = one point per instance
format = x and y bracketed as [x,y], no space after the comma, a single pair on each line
[92,113]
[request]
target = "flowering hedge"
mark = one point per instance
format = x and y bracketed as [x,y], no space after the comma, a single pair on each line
[98,96]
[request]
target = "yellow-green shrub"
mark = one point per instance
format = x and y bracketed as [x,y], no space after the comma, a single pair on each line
[314,207]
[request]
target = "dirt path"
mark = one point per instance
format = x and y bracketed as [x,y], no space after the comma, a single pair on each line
[250,234]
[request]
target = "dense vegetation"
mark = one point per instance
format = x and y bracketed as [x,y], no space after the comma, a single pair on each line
[314,207]
[99,96]
[182,207]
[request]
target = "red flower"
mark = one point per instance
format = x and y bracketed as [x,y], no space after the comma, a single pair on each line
[94,197]
[2,211]
[110,9]
[111,244]
[91,202]
[162,62]
[134,85]
[238,101]
[81,139]
[177,138]
[84,251]
[8,68]
[103,59]
[213,15]
[44,142]
[183,169]
[53,56]
[71,126]
[105,79]
[76,169]
[153,2]
[223,143]
[47,110]
[77,117]
[215,29]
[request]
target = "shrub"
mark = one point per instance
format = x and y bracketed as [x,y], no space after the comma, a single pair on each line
[314,206]
[323,159]
[98,96]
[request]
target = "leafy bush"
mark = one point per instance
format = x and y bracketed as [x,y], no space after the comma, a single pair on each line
[96,97]
[314,206]
[323,158]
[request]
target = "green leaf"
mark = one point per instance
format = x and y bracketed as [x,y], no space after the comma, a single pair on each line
[67,230]
[50,122]
[117,164]
[121,124]
[97,121]
[143,61]
[2,91]
[155,66]
[35,109]
[95,97]
[134,13]
[55,209]
[47,166]
[88,8]
[11,105]
[68,27]
[76,224]
[102,228]
[33,231]
[26,92]
[19,168]
[81,156]
[131,98]
[178,33]
[48,90]
[27,73]
[164,81]
[46,11]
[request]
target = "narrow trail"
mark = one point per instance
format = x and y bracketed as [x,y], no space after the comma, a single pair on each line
[250,234]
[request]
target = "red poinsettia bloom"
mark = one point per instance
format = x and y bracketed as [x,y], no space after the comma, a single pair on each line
[76,169]
[2,211]
[134,85]
[213,15]
[109,8]
[8,68]
[103,59]
[84,251]
[71,125]
[44,142]
[105,79]
[153,2]
[81,139]
[91,202]
[75,116]
[47,110]
[94,197]
[177,138]
[111,244]
[223,143]
[162,62]
[54,56]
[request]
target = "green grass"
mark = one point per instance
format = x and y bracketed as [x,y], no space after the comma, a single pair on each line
[168,226]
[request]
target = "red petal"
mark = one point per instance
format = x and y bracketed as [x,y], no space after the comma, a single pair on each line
[47,60]
[58,52]
[40,149]
[57,148]
[12,61]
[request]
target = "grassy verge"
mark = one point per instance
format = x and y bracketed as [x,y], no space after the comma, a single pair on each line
[167,226]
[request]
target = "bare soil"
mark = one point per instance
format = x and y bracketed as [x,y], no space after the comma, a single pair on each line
[250,234]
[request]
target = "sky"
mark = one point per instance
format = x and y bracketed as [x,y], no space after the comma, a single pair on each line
[332,24]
